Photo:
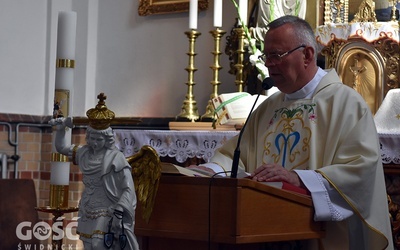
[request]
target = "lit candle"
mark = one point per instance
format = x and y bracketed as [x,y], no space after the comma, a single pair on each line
[193,14]
[217,13]
[243,5]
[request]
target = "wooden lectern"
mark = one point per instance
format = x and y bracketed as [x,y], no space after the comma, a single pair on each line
[224,213]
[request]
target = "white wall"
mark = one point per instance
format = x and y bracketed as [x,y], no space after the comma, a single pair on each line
[138,62]
[23,42]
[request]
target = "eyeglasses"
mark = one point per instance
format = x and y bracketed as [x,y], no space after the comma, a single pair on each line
[276,59]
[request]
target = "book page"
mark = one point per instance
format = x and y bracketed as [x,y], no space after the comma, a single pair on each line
[236,107]
[169,168]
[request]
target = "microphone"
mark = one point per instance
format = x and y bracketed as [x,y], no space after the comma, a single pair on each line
[266,84]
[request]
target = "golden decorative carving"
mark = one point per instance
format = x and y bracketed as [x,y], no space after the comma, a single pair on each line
[239,64]
[390,51]
[336,11]
[366,12]
[150,7]
[100,117]
[362,70]
[393,189]
[380,57]
[231,48]
[393,18]
[357,69]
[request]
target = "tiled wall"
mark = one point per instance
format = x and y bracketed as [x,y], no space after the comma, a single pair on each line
[33,146]
[29,139]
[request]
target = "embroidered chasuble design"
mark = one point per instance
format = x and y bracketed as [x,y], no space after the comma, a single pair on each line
[287,140]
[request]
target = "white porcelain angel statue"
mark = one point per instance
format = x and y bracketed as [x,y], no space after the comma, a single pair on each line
[108,202]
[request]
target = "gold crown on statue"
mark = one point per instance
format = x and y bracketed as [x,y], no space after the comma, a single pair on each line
[100,117]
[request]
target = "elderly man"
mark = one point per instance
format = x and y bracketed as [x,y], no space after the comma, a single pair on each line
[319,134]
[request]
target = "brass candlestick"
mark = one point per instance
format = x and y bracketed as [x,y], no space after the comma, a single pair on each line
[58,198]
[216,67]
[57,217]
[327,12]
[189,107]
[394,10]
[240,55]
[58,202]
[338,5]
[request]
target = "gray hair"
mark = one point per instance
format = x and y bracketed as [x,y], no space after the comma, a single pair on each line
[301,28]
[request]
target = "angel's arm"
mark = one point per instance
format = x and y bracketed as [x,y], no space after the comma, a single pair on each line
[60,142]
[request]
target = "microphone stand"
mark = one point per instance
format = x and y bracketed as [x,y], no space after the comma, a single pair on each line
[266,84]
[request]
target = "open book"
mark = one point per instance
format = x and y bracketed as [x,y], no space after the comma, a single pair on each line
[233,108]
[169,168]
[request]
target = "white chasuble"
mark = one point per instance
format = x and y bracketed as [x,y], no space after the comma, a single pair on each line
[334,134]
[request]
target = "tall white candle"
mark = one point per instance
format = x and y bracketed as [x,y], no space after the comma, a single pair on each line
[66,43]
[66,35]
[243,5]
[193,14]
[66,39]
[59,173]
[217,13]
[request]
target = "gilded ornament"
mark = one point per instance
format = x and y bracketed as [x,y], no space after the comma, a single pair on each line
[366,12]
[146,171]
[100,117]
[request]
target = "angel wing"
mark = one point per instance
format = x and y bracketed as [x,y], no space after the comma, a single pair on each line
[146,172]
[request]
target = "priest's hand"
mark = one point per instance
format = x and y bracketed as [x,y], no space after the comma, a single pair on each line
[275,172]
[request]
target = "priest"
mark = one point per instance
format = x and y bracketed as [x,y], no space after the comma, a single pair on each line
[318,134]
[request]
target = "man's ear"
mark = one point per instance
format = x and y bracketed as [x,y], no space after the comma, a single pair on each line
[308,55]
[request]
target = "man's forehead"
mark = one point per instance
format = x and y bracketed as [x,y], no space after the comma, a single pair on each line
[278,39]
[276,47]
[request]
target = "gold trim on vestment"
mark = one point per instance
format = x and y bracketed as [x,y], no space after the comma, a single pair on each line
[353,207]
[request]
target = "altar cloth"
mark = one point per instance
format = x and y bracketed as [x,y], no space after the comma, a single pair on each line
[387,121]
[181,145]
